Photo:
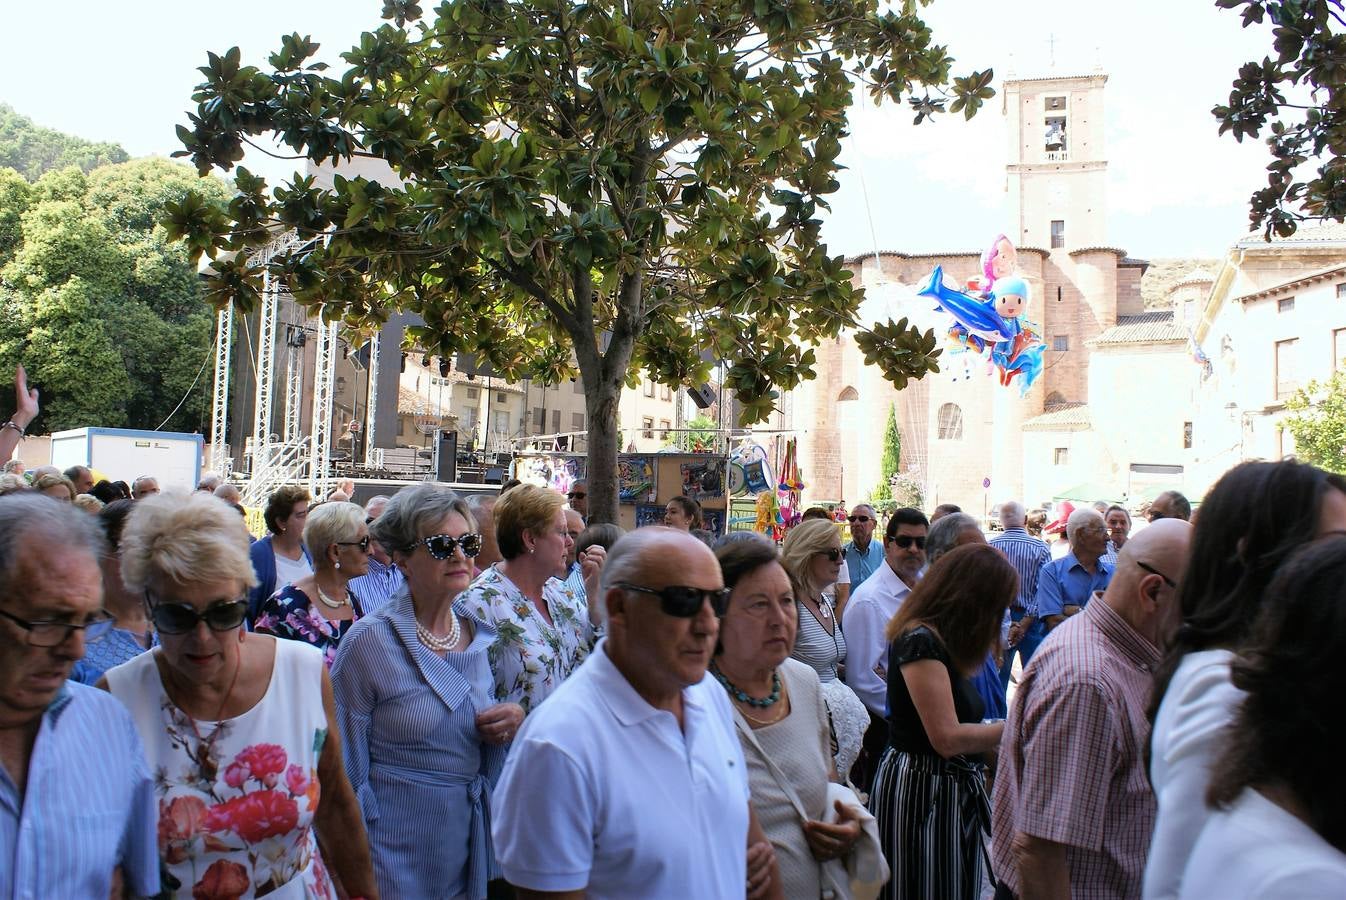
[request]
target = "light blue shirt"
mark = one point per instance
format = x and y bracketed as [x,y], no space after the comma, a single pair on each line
[863,563]
[87,808]
[377,586]
[575,581]
[1064,582]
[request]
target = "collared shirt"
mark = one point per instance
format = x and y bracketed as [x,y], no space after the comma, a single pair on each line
[87,808]
[572,812]
[1064,582]
[1110,554]
[864,620]
[1028,555]
[377,586]
[575,581]
[860,564]
[1072,761]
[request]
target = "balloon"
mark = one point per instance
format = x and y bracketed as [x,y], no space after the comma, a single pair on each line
[975,315]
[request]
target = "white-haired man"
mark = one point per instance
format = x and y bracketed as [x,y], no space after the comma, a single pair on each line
[1066,584]
[1028,555]
[382,579]
[629,781]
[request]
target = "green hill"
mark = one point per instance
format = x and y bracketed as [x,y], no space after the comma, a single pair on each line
[33,150]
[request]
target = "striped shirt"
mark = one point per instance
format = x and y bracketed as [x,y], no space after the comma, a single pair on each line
[1028,555]
[87,808]
[814,645]
[1072,766]
[575,581]
[377,586]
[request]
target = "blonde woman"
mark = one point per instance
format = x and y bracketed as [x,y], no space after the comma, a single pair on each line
[812,556]
[56,486]
[543,630]
[241,727]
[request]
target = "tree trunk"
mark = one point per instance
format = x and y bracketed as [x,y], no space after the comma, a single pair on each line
[601,397]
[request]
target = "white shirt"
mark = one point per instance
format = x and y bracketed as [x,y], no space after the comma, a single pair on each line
[843,576]
[1188,735]
[288,571]
[864,620]
[1257,851]
[603,792]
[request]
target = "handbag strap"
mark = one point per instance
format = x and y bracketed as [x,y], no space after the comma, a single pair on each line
[784,783]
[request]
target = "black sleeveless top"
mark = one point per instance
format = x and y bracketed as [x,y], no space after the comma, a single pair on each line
[905,731]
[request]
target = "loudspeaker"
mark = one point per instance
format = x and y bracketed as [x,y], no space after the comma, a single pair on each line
[446,456]
[702,396]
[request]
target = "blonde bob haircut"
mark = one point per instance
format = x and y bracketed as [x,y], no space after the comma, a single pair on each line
[190,539]
[525,508]
[329,523]
[804,541]
[43,482]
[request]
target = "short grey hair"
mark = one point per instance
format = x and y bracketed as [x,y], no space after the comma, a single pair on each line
[141,479]
[330,523]
[1012,514]
[412,511]
[209,481]
[481,503]
[229,493]
[12,465]
[943,535]
[1082,518]
[379,500]
[30,514]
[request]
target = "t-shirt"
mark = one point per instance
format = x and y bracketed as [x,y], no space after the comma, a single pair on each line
[288,571]
[905,730]
[1256,850]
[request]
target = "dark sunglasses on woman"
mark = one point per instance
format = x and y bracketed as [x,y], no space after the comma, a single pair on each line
[684,602]
[180,618]
[441,546]
[833,555]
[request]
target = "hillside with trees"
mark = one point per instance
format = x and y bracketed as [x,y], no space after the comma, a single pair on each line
[33,151]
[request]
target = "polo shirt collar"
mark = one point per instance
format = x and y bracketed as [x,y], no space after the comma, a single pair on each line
[628,706]
[59,704]
[1071,562]
[1129,642]
[1015,529]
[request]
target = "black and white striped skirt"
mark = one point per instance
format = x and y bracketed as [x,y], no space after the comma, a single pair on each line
[934,819]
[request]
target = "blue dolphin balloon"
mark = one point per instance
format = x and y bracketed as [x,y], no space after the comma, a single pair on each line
[978,317]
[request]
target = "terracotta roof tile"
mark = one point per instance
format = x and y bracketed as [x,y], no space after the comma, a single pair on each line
[1147,328]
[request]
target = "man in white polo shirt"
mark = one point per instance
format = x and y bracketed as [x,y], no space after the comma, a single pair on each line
[629,781]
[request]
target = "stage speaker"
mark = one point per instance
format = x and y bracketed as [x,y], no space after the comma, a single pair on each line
[446,456]
[702,396]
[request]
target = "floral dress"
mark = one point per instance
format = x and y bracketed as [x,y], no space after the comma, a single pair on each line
[289,613]
[529,658]
[236,797]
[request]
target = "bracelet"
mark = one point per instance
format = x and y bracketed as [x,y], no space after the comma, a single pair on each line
[10,424]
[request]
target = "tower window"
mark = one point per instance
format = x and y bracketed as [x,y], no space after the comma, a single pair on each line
[1061,342]
[1055,135]
[1061,456]
[1051,104]
[1285,305]
[1187,435]
[1341,291]
[1058,233]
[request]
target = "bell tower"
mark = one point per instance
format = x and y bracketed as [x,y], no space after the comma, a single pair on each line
[1057,173]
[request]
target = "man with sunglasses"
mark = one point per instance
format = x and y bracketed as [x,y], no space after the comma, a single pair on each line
[578,497]
[77,809]
[864,555]
[866,617]
[629,781]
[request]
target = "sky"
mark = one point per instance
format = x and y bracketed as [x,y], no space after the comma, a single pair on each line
[125,72]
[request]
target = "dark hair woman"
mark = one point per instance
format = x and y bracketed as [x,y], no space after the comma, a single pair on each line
[1255,517]
[1280,827]
[940,637]
[280,558]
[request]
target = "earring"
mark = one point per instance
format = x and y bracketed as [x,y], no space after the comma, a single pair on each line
[338,565]
[241,635]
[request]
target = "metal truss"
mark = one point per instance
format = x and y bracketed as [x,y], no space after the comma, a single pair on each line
[372,401]
[219,412]
[294,384]
[324,381]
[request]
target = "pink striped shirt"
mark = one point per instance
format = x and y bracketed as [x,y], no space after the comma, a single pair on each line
[1072,767]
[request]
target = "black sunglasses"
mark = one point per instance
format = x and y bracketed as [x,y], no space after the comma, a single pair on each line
[858,519]
[1153,571]
[53,634]
[906,540]
[441,546]
[832,555]
[576,496]
[180,618]
[685,602]
[362,543]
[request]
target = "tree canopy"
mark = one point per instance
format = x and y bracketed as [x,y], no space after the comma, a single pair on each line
[1318,424]
[33,151]
[105,313]
[1296,94]
[622,186]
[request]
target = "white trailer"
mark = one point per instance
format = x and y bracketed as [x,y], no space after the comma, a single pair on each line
[122,454]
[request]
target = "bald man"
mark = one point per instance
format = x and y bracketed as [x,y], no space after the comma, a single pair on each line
[1073,805]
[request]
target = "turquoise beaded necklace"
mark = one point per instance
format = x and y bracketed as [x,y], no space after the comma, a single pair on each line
[741,697]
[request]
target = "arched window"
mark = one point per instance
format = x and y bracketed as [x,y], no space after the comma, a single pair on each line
[1055,398]
[849,393]
[950,422]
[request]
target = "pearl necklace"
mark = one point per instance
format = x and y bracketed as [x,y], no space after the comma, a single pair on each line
[440,644]
[328,601]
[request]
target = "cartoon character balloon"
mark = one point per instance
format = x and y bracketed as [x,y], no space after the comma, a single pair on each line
[988,318]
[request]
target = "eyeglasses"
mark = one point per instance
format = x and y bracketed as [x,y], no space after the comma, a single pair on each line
[859,519]
[180,618]
[906,540]
[441,546]
[1153,571]
[52,634]
[362,543]
[685,602]
[832,555]
[576,495]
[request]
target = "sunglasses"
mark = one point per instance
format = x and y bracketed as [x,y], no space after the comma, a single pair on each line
[180,618]
[832,555]
[906,540]
[362,543]
[441,546]
[1173,585]
[685,602]
[576,496]
[859,519]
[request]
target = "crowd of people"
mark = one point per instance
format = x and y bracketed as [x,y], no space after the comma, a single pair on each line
[431,696]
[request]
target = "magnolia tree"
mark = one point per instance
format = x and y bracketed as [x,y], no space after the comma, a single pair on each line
[618,187]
